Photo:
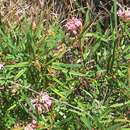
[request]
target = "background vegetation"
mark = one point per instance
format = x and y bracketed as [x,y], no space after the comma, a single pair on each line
[86,75]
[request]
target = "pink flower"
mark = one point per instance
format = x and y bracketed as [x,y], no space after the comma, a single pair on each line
[124,14]
[1,66]
[37,106]
[41,103]
[45,99]
[31,126]
[121,12]
[73,25]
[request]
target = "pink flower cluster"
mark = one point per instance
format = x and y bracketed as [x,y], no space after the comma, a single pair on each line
[45,99]
[73,24]
[124,14]
[42,103]
[31,126]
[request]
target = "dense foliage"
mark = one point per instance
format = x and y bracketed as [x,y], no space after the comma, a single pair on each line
[64,65]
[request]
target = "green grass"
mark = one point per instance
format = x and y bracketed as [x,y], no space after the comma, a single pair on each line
[86,76]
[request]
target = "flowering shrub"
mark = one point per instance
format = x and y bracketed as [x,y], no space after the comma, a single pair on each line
[87,74]
[73,25]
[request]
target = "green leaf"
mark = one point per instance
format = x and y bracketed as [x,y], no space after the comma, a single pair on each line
[18,65]
[86,122]
[20,73]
